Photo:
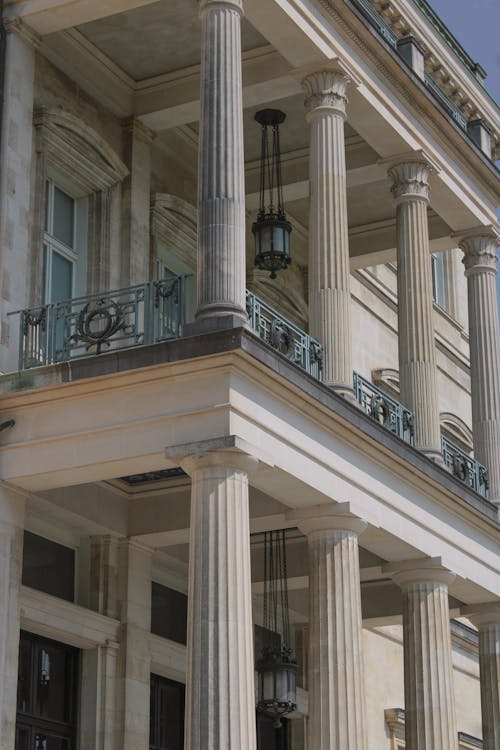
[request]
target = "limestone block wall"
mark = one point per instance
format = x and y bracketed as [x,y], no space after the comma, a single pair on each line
[374,302]
[383,656]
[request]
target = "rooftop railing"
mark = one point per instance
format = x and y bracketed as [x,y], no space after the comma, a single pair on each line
[82,326]
[287,338]
[384,409]
[377,20]
[465,468]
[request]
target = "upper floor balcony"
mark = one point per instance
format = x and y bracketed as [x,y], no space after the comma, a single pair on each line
[155,312]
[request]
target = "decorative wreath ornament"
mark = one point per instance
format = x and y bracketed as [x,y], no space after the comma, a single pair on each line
[379,409]
[98,322]
[280,338]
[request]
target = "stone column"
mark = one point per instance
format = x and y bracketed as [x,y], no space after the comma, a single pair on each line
[134,596]
[480,269]
[11,559]
[329,292]
[429,699]
[101,709]
[136,208]
[487,620]
[220,693]
[221,188]
[417,355]
[15,185]
[336,719]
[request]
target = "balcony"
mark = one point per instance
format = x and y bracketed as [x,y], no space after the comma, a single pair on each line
[140,315]
[383,409]
[465,468]
[155,311]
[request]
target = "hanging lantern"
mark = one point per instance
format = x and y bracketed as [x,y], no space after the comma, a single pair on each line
[271,229]
[276,667]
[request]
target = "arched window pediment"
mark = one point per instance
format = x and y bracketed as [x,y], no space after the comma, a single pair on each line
[78,151]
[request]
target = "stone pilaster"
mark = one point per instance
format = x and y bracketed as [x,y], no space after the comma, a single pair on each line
[136,192]
[429,699]
[480,262]
[11,558]
[336,719]
[15,184]
[417,355]
[134,660]
[487,620]
[220,693]
[329,290]
[221,189]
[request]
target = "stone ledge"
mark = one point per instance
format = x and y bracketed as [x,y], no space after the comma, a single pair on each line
[220,342]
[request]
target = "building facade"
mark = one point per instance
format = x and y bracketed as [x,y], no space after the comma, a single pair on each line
[164,402]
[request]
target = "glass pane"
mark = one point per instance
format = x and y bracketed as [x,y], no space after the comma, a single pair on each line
[168,613]
[61,282]
[64,217]
[48,566]
[22,738]
[53,682]
[167,714]
[47,741]
[24,676]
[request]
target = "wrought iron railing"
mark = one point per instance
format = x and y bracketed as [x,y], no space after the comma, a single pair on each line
[388,34]
[450,107]
[61,331]
[377,20]
[465,468]
[284,336]
[384,409]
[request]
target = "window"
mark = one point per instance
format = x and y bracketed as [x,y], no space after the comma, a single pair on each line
[438,280]
[48,566]
[168,613]
[64,240]
[166,727]
[46,695]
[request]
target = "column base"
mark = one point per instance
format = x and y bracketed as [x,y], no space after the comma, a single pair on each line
[215,323]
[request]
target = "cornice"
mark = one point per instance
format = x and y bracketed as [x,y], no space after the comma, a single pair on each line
[406,85]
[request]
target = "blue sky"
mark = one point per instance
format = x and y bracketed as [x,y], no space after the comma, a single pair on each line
[476,25]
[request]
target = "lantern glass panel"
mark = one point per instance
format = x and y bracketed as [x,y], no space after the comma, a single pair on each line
[268,686]
[282,684]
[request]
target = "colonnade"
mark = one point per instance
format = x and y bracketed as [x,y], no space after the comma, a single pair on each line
[221,248]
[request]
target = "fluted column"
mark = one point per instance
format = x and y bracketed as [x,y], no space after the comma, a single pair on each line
[428,672]
[336,719]
[417,355]
[220,693]
[11,558]
[487,620]
[221,189]
[329,291]
[480,262]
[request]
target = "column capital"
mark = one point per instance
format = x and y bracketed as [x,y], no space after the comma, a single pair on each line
[325,90]
[207,5]
[483,614]
[229,452]
[480,249]
[421,570]
[410,180]
[327,517]
[21,29]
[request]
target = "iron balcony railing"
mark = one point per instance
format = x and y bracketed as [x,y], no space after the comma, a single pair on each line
[78,327]
[450,107]
[384,409]
[284,336]
[465,468]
